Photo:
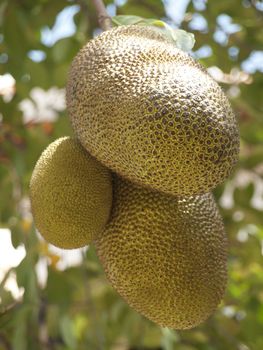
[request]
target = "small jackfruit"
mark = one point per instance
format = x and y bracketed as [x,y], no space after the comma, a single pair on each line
[151,113]
[71,194]
[165,256]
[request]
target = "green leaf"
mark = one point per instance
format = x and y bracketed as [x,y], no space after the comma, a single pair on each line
[123,20]
[59,290]
[64,50]
[20,339]
[183,40]
[169,339]
[67,332]
[180,38]
[26,277]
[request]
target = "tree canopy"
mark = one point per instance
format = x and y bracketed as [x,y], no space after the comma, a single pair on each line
[75,308]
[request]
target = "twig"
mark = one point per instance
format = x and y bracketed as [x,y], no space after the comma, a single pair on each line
[103,17]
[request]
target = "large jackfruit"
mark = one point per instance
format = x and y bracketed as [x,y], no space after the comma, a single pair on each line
[150,112]
[71,194]
[165,256]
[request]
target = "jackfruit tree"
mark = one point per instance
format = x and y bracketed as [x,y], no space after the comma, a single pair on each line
[70,191]
[156,118]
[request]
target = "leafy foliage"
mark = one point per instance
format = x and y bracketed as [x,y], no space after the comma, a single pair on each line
[180,38]
[76,308]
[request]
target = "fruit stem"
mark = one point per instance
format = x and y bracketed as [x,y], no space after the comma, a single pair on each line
[104,19]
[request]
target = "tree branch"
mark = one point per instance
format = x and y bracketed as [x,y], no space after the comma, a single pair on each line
[104,19]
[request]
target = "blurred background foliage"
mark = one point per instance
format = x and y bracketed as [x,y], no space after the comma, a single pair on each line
[58,300]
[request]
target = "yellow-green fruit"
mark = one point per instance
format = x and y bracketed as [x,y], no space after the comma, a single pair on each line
[151,113]
[71,194]
[165,256]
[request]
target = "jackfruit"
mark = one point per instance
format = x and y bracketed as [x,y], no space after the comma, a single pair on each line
[151,113]
[71,194]
[165,256]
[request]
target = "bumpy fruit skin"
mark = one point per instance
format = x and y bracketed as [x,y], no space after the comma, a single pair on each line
[150,112]
[71,194]
[165,256]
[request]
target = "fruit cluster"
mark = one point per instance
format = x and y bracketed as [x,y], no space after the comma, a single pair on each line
[154,135]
